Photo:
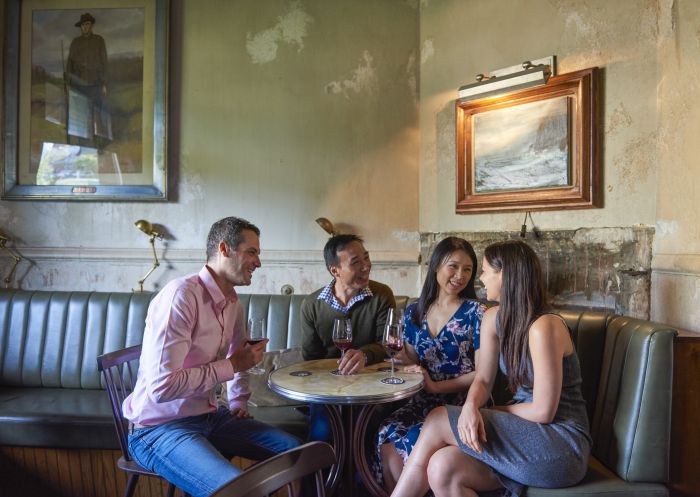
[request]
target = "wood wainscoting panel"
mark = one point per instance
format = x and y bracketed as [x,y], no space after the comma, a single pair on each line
[30,471]
[685,427]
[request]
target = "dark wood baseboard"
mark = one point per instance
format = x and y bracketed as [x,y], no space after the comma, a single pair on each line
[685,429]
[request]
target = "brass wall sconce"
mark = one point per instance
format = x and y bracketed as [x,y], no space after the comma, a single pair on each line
[149,230]
[327,226]
[4,238]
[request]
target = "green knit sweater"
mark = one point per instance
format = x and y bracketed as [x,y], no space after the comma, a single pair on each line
[367,316]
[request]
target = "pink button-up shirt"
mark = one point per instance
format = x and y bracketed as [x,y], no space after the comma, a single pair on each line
[191,329]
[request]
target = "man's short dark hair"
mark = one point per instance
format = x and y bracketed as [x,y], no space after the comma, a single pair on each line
[334,245]
[230,230]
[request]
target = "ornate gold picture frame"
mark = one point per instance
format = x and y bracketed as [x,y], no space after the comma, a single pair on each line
[534,149]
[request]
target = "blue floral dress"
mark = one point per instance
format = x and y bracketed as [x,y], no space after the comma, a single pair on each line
[447,355]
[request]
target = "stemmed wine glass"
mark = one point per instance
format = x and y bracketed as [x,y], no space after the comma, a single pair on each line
[393,342]
[257,332]
[342,337]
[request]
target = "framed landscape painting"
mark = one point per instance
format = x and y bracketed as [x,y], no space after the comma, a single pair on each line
[535,149]
[85,99]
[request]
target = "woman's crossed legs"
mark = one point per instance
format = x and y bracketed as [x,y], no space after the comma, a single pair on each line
[437,463]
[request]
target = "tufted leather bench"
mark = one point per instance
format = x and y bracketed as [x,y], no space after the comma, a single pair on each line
[627,372]
[50,390]
[51,396]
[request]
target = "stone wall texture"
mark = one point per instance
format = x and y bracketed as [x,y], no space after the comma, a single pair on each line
[589,268]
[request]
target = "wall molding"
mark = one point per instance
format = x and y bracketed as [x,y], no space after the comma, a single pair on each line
[268,257]
[118,269]
[676,264]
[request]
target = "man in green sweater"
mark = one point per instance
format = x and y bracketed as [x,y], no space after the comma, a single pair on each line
[350,295]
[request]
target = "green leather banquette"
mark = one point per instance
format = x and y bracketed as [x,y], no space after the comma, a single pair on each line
[50,390]
[51,395]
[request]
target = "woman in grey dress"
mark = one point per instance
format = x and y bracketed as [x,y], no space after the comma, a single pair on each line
[542,438]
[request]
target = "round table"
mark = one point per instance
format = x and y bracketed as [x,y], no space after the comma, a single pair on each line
[312,381]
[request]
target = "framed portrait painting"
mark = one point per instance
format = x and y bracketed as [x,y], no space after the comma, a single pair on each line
[85,100]
[534,149]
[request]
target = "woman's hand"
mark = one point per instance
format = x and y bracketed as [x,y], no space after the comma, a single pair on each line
[470,427]
[413,368]
[429,385]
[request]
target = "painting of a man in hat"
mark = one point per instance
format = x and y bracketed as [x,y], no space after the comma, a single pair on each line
[86,112]
[86,76]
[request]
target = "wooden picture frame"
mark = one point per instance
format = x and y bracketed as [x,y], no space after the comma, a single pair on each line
[85,100]
[534,149]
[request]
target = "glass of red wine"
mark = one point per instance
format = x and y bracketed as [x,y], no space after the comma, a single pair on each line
[392,340]
[257,332]
[342,337]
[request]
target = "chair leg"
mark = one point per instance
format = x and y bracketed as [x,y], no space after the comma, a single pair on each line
[320,484]
[131,484]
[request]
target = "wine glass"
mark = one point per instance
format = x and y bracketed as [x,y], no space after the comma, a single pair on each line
[342,337]
[392,340]
[257,332]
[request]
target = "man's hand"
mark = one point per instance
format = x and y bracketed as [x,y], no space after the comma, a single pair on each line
[248,356]
[352,362]
[238,412]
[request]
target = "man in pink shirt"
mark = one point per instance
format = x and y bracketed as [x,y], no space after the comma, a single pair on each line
[195,338]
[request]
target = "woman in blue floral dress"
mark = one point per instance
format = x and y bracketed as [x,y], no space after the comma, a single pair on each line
[442,336]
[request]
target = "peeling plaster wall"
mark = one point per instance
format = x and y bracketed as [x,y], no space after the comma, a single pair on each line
[649,53]
[289,110]
[461,39]
[676,277]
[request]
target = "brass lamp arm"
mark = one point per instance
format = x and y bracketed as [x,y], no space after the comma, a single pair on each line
[156,263]
[16,257]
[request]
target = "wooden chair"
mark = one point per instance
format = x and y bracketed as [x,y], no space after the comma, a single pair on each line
[119,372]
[267,476]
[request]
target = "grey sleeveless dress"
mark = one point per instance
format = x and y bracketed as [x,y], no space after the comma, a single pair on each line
[523,453]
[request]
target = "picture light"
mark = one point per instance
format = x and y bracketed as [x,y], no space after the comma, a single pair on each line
[509,79]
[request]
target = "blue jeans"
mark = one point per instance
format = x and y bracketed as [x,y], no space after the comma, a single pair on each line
[319,424]
[188,452]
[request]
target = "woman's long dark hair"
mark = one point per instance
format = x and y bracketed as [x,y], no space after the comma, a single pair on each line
[441,253]
[523,299]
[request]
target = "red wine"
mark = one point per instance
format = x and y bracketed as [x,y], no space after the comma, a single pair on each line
[343,343]
[393,348]
[253,342]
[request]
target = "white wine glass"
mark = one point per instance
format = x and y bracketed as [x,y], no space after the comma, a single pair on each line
[392,340]
[342,337]
[257,332]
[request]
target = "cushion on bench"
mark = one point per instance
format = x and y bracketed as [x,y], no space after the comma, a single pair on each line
[601,482]
[56,417]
